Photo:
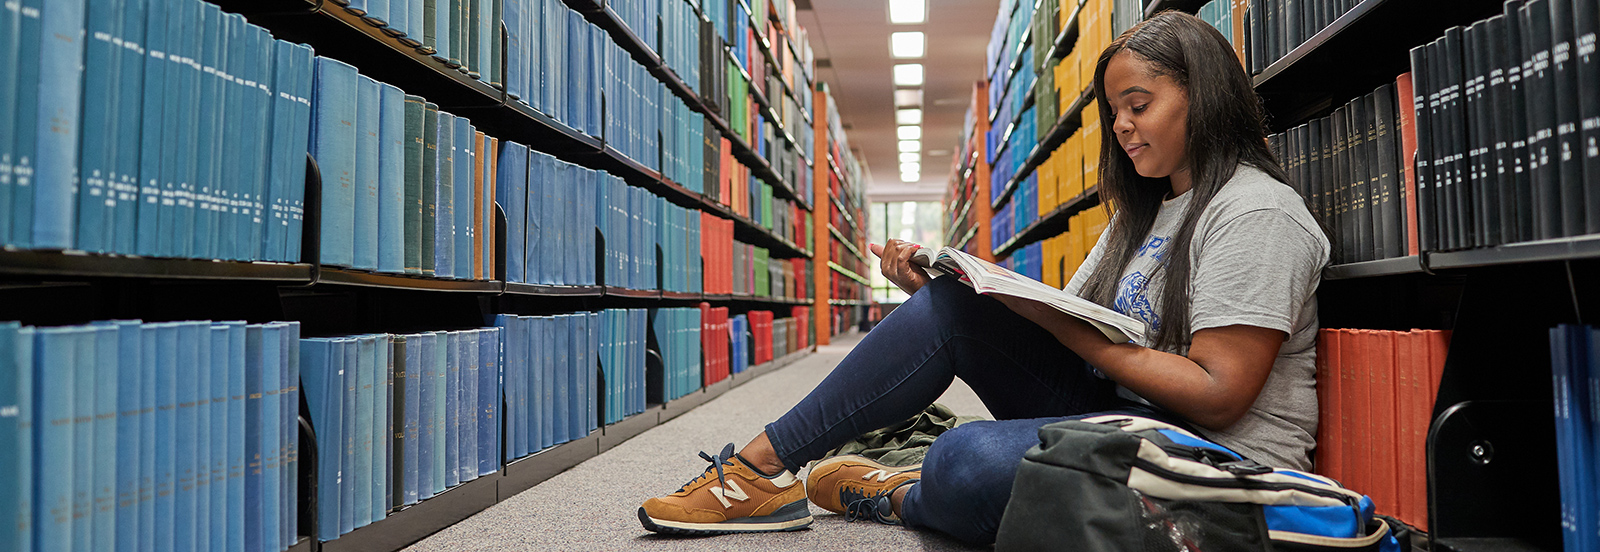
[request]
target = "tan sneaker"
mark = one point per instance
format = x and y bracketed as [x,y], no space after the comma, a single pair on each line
[730,497]
[858,487]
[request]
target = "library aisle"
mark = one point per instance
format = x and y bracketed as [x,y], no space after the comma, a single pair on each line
[592,506]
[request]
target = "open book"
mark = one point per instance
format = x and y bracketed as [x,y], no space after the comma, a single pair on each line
[987,277]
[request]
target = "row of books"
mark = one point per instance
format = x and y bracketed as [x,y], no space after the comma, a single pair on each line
[89,161]
[1575,371]
[1375,395]
[716,345]
[1347,167]
[623,340]
[769,336]
[1010,27]
[678,334]
[555,62]
[750,274]
[462,33]
[1060,256]
[382,208]
[122,435]
[398,419]
[549,382]
[550,208]
[1504,160]
[1062,80]
[1277,27]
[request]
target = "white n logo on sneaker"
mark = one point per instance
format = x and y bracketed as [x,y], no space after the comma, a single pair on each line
[733,491]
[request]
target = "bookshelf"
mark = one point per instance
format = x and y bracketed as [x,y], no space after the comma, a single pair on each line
[967,209]
[1491,450]
[773,144]
[840,222]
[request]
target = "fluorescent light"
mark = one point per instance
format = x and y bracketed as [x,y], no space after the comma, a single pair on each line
[909,132]
[910,167]
[909,44]
[910,157]
[908,11]
[910,177]
[907,98]
[908,74]
[908,117]
[910,146]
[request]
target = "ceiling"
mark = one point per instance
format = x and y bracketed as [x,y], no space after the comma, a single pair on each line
[851,42]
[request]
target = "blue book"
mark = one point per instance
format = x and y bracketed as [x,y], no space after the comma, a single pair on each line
[466,152]
[10,33]
[165,431]
[272,364]
[97,142]
[413,406]
[143,468]
[1582,432]
[175,104]
[366,183]
[237,69]
[289,436]
[317,359]
[511,17]
[415,20]
[489,155]
[452,412]
[209,105]
[444,198]
[151,102]
[185,423]
[216,472]
[391,180]
[399,15]
[59,96]
[284,170]
[11,460]
[551,426]
[467,440]
[188,158]
[508,390]
[361,472]
[305,84]
[26,522]
[566,385]
[257,342]
[533,264]
[349,473]
[1562,354]
[202,437]
[102,437]
[576,109]
[54,372]
[441,363]
[382,385]
[490,342]
[427,395]
[233,449]
[377,12]
[333,145]
[556,231]
[532,62]
[25,126]
[394,438]
[512,195]
[587,322]
[441,30]
[533,383]
[123,223]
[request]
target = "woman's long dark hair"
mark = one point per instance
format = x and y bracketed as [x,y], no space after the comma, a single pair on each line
[1225,128]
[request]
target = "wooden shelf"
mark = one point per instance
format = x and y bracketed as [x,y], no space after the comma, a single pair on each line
[348,277]
[79,265]
[517,288]
[848,273]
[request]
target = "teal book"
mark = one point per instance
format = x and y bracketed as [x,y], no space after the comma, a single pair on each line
[56,351]
[427,395]
[286,169]
[10,34]
[165,420]
[230,175]
[533,262]
[188,366]
[451,34]
[97,142]
[305,62]
[256,145]
[12,485]
[255,347]
[365,231]
[472,58]
[289,437]
[465,147]
[176,108]
[145,436]
[59,108]
[362,471]
[444,238]
[467,442]
[349,474]
[123,223]
[187,177]
[444,17]
[395,436]
[26,125]
[430,26]
[83,394]
[103,491]
[452,405]
[206,185]
[333,145]
[429,188]
[202,440]
[382,386]
[271,427]
[414,117]
[217,458]
[238,336]
[485,246]
[321,363]
[151,125]
[391,180]
[441,362]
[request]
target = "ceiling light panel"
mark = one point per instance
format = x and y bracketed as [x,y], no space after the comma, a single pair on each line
[909,132]
[909,44]
[908,117]
[910,177]
[910,167]
[910,146]
[910,157]
[907,12]
[907,98]
[908,74]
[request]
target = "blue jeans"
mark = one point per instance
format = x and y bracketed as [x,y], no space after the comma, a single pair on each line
[1025,377]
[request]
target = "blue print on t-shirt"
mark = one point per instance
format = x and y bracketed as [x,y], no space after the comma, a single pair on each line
[1131,300]
[1156,248]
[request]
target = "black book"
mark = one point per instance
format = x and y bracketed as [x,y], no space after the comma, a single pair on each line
[1566,151]
[1369,164]
[397,415]
[1476,72]
[1313,184]
[1454,99]
[1325,173]
[1540,100]
[1291,24]
[1360,173]
[1340,185]
[1440,129]
[1587,15]
[1500,208]
[1422,164]
[1392,236]
[1257,36]
[1519,198]
[1274,28]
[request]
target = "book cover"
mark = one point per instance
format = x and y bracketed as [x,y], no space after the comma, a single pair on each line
[97,143]
[392,181]
[60,70]
[396,453]
[444,199]
[467,437]
[512,195]
[54,370]
[412,203]
[441,368]
[191,336]
[361,472]
[452,408]
[429,187]
[411,458]
[463,183]
[382,387]
[428,394]
[333,145]
[367,147]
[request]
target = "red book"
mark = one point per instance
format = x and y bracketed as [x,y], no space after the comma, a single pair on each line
[1383,421]
[1404,400]
[1421,417]
[1349,416]
[1328,449]
[1408,151]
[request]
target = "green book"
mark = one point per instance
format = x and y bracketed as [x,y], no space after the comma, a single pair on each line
[430,21]
[430,156]
[415,117]
[470,58]
[457,12]
[493,72]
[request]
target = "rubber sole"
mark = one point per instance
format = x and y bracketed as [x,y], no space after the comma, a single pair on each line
[791,517]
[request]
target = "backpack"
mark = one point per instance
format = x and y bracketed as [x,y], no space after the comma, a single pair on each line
[1124,483]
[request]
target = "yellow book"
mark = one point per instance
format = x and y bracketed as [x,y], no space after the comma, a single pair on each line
[1098,220]
[1091,145]
[1047,252]
[1074,246]
[1069,168]
[1088,50]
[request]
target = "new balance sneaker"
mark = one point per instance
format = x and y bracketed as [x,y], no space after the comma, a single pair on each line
[730,497]
[858,487]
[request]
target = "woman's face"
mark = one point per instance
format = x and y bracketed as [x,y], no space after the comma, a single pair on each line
[1150,115]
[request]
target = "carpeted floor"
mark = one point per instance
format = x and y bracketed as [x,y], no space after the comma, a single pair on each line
[594,506]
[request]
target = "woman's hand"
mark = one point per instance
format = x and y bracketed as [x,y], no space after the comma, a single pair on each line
[894,260]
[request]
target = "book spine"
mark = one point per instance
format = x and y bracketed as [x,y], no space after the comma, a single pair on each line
[1588,103]
[1567,150]
[428,395]
[1503,177]
[1543,154]
[412,202]
[512,195]
[201,242]
[444,196]
[315,360]
[441,368]
[411,458]
[60,71]
[391,155]
[349,436]
[367,147]
[333,145]
[382,387]
[463,146]
[235,445]
[451,420]
[467,436]
[398,465]
[272,366]
[97,145]
[361,472]
[430,188]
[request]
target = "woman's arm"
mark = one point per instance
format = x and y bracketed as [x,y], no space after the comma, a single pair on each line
[1213,387]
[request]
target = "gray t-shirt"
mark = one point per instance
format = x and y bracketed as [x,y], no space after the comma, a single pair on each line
[1256,258]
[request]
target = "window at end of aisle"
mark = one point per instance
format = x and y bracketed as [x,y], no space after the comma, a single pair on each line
[912,221]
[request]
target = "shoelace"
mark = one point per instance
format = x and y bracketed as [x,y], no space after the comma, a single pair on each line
[867,508]
[873,506]
[725,458]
